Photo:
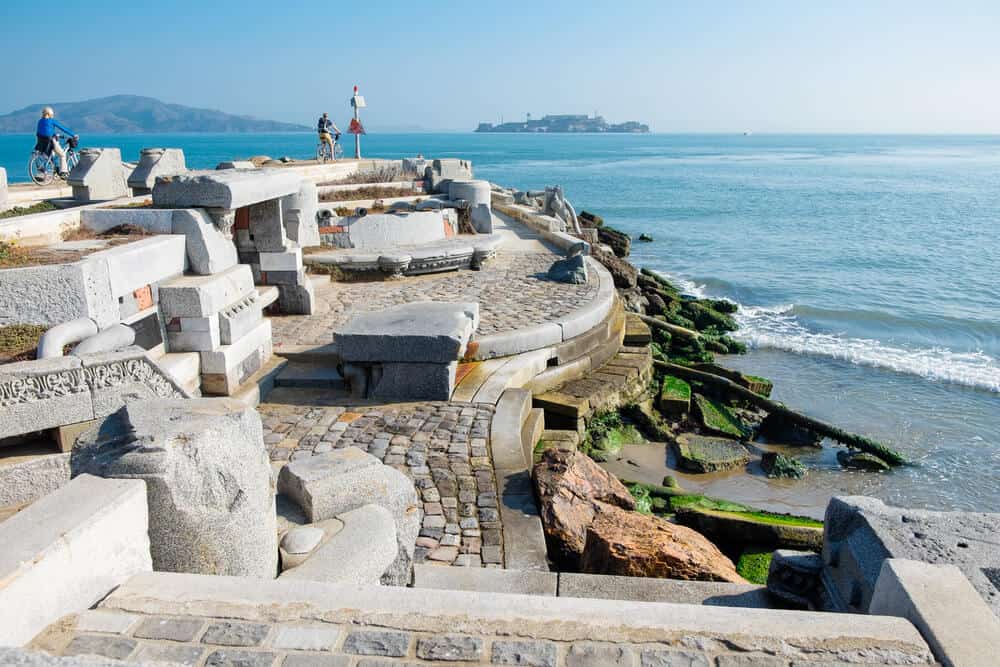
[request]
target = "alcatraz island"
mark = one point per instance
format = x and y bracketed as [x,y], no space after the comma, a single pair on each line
[566,123]
[367,412]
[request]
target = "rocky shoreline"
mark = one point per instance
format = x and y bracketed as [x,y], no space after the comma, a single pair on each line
[708,419]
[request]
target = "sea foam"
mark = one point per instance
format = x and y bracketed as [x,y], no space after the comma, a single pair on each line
[777,327]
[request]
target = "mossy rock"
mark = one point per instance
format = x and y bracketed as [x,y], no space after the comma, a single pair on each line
[648,420]
[703,453]
[718,418]
[675,397]
[588,219]
[665,492]
[855,460]
[609,446]
[645,238]
[754,564]
[704,316]
[780,466]
[738,529]
[779,429]
[643,501]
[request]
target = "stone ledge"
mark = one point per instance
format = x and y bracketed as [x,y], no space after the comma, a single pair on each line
[804,635]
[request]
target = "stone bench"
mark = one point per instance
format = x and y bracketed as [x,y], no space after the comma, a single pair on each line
[464,252]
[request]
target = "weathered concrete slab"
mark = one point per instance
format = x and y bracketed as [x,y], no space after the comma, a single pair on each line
[154,162]
[641,589]
[208,476]
[485,580]
[65,552]
[26,481]
[144,262]
[945,608]
[81,289]
[861,532]
[153,220]
[225,189]
[417,332]
[361,553]
[208,250]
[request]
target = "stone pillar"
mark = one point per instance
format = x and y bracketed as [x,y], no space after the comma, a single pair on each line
[479,198]
[208,482]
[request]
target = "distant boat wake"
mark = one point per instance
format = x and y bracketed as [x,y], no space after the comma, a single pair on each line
[778,328]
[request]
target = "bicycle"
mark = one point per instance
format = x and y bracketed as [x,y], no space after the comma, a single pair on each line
[43,169]
[324,154]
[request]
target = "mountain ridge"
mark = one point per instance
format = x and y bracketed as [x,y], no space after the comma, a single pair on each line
[137,114]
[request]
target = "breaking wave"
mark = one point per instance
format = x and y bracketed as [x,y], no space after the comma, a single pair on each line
[778,328]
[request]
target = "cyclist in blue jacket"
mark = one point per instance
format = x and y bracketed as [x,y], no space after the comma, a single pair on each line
[325,126]
[45,137]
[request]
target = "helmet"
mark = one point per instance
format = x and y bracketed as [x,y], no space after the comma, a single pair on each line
[48,111]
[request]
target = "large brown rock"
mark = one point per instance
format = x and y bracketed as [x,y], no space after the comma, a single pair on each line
[639,545]
[568,483]
[623,273]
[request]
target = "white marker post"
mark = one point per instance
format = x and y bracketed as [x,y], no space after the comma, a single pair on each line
[357,102]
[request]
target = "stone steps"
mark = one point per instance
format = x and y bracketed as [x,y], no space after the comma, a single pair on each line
[637,332]
[621,380]
[310,376]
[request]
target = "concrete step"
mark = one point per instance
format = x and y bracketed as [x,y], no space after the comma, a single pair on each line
[637,332]
[310,376]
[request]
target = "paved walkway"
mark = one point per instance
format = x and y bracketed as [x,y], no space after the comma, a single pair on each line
[443,447]
[512,291]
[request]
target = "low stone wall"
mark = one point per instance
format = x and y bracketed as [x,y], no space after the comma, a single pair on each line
[67,551]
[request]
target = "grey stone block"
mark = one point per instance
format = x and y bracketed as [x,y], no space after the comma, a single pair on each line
[225,370]
[240,318]
[531,653]
[572,270]
[362,552]
[208,480]
[419,381]
[639,589]
[99,175]
[145,262]
[297,299]
[234,633]
[154,162]
[526,582]
[153,220]
[599,655]
[208,250]
[228,189]
[318,660]
[57,293]
[861,532]
[43,394]
[203,296]
[231,657]
[306,636]
[283,278]
[423,331]
[172,654]
[440,173]
[102,620]
[170,629]
[299,215]
[462,648]
[267,227]
[106,646]
[479,198]
[328,485]
[373,642]
[668,658]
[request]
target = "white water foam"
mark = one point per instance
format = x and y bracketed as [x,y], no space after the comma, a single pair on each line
[777,328]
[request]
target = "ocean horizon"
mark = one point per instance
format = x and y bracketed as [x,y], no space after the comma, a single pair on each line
[864,265]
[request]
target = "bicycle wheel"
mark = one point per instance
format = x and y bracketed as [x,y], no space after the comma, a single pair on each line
[338,151]
[322,152]
[41,171]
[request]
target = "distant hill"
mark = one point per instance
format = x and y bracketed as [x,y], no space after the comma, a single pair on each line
[132,114]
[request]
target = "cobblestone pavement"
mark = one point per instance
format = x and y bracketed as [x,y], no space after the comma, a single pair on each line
[443,447]
[512,291]
[216,642]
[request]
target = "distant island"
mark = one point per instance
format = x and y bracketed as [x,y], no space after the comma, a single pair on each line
[132,114]
[566,123]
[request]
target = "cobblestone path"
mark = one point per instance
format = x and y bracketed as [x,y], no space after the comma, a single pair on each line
[443,447]
[512,291]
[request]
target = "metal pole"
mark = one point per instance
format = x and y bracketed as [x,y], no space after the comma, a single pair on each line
[357,117]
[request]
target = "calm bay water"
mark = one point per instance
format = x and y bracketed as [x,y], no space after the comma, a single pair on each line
[866,267]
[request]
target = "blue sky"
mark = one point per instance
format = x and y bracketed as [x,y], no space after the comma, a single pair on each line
[683,67]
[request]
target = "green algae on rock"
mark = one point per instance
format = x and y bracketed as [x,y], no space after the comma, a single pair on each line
[702,453]
[855,460]
[675,397]
[754,565]
[782,466]
[718,418]
[732,525]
